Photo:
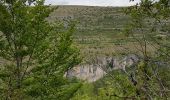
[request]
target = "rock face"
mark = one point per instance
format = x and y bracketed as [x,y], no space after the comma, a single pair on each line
[100,67]
[87,72]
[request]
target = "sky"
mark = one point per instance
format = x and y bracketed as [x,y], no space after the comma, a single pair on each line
[92,2]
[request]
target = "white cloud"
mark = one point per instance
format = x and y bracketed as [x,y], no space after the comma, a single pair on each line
[92,2]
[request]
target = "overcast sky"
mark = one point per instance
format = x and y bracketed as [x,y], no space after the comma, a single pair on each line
[92,2]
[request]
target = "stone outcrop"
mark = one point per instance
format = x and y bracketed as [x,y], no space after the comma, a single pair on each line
[100,67]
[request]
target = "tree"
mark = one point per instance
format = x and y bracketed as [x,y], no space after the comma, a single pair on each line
[148,27]
[35,53]
[149,78]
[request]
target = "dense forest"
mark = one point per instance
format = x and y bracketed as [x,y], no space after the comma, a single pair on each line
[84,53]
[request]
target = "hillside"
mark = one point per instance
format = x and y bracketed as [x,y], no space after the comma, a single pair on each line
[84,52]
[99,31]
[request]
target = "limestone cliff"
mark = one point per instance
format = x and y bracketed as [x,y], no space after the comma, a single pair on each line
[100,67]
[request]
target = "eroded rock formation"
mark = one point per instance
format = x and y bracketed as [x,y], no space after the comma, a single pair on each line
[100,67]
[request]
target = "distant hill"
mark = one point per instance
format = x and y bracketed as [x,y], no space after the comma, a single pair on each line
[99,30]
[89,16]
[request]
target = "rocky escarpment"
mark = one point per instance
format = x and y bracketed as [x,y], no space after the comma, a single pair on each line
[100,67]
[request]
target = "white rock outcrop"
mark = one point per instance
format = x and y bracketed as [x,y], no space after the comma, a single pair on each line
[102,65]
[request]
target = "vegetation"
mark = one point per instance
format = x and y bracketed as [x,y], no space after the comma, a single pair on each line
[35,53]
[37,49]
[149,79]
[98,29]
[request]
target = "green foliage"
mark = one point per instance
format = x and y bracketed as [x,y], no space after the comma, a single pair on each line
[149,79]
[35,53]
[147,20]
[85,92]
